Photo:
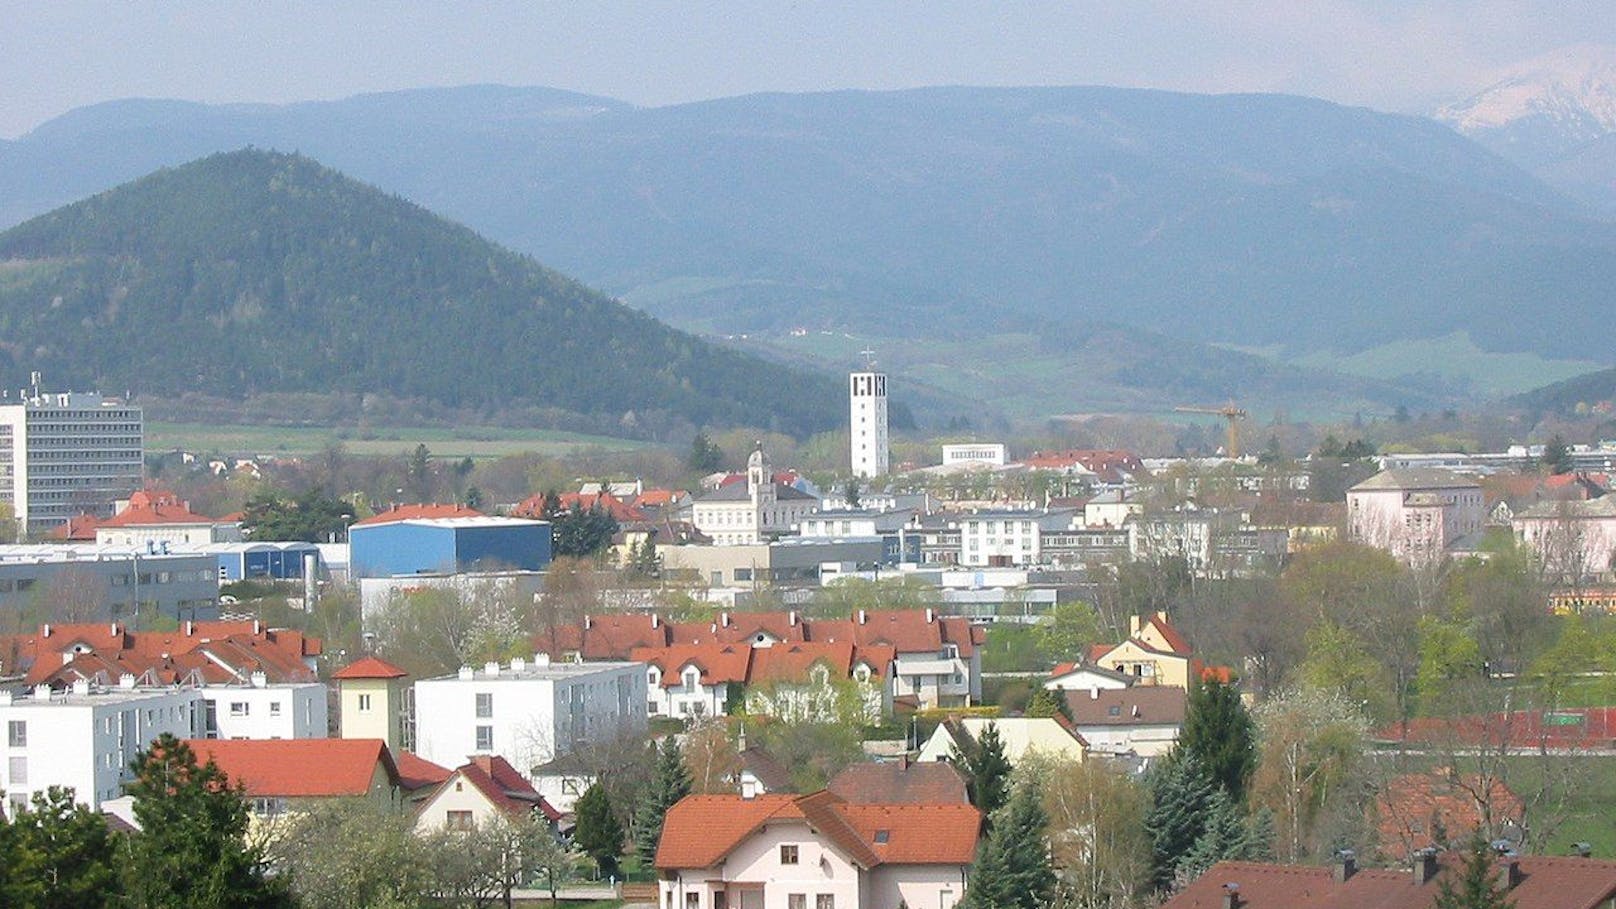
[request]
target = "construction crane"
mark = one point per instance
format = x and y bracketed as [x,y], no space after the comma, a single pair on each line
[1231,414]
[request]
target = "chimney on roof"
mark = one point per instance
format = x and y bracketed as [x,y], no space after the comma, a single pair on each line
[259,680]
[1094,693]
[587,622]
[44,630]
[723,619]
[190,627]
[81,686]
[1231,895]
[518,664]
[1582,849]
[1135,624]
[1425,866]
[258,628]
[655,621]
[491,667]
[863,617]
[1346,865]
[541,660]
[792,618]
[931,615]
[466,674]
[114,630]
[126,681]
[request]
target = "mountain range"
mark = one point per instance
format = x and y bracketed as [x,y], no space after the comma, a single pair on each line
[255,272]
[1198,247]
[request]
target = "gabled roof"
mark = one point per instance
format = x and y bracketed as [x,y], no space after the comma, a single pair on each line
[701,830]
[718,663]
[419,512]
[791,662]
[299,768]
[900,783]
[768,771]
[218,652]
[504,788]
[369,667]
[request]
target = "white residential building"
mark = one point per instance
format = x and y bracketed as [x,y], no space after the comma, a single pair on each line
[1415,513]
[867,423]
[66,454]
[84,738]
[260,710]
[528,712]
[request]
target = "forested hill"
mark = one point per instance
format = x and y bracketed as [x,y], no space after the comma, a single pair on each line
[1594,391]
[252,272]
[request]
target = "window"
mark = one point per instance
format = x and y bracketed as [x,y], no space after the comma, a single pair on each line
[364,702]
[720,900]
[458,820]
[485,738]
[275,708]
[17,771]
[1113,710]
[692,901]
[883,836]
[269,807]
[796,901]
[485,705]
[237,708]
[17,733]
[788,854]
[825,901]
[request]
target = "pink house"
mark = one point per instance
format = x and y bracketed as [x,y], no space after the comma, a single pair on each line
[1414,513]
[1575,539]
[813,851]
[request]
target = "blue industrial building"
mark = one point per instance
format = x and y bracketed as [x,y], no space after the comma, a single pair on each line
[270,561]
[447,546]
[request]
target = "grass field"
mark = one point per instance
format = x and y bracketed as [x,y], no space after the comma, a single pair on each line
[1590,804]
[478,442]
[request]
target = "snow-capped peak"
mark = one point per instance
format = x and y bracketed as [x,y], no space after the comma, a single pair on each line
[1574,87]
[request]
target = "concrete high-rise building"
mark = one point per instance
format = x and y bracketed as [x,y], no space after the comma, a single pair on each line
[66,454]
[867,420]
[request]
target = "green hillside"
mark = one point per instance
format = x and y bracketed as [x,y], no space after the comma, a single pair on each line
[251,272]
[1592,392]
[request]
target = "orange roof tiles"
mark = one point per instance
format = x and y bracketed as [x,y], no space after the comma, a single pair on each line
[506,789]
[369,667]
[1415,805]
[701,830]
[149,507]
[219,652]
[419,512]
[718,663]
[900,783]
[299,768]
[416,772]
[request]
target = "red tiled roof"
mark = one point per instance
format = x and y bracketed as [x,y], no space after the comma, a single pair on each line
[791,662]
[1174,640]
[220,652]
[719,663]
[701,830]
[419,512]
[614,637]
[148,507]
[80,527]
[1413,806]
[900,783]
[416,772]
[369,667]
[298,768]
[506,789]
[656,498]
[1546,883]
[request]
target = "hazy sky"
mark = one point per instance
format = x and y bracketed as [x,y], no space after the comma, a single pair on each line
[1389,54]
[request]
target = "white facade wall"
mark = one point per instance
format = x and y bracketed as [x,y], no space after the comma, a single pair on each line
[1572,547]
[685,698]
[1085,680]
[915,886]
[61,454]
[867,423]
[454,795]
[282,711]
[999,540]
[1414,524]
[975,453]
[85,739]
[753,877]
[1144,740]
[138,536]
[530,713]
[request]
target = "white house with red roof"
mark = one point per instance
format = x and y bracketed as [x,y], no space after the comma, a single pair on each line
[1155,653]
[153,517]
[740,514]
[371,701]
[479,792]
[798,851]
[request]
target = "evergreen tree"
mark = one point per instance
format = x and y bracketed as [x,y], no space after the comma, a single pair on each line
[1012,870]
[1228,834]
[986,769]
[1557,455]
[191,849]
[705,457]
[598,833]
[581,532]
[56,855]
[1476,883]
[670,782]
[852,492]
[1219,733]
[1045,703]
[1181,795]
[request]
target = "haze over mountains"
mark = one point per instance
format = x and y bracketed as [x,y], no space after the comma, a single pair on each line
[963,231]
[253,272]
